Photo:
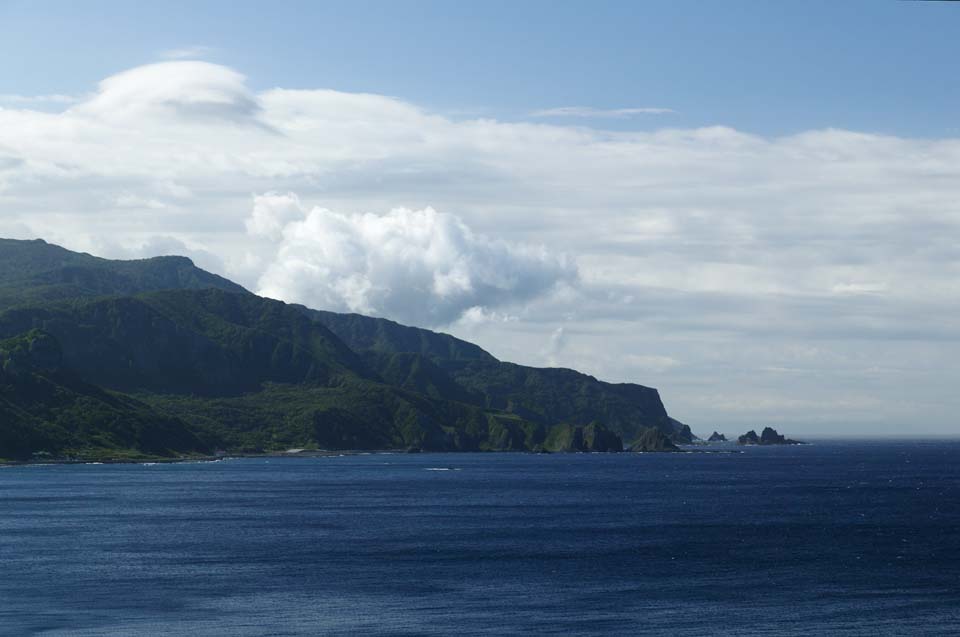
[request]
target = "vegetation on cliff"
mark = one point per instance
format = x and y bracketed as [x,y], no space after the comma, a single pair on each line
[158,357]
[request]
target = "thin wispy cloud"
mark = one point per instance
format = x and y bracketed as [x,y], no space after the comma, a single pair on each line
[196,52]
[11,98]
[601,113]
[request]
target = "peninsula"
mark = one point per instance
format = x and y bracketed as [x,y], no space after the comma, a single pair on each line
[104,360]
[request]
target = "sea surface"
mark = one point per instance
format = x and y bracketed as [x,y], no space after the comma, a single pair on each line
[833,538]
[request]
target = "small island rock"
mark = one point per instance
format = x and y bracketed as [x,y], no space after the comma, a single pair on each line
[769,436]
[717,437]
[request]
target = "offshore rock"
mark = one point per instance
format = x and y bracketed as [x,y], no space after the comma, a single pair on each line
[769,436]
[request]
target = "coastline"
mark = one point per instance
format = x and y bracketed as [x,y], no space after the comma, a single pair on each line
[301,453]
[325,453]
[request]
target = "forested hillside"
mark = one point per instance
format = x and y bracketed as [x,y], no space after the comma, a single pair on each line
[157,357]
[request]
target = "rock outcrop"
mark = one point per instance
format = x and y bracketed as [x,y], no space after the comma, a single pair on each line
[593,437]
[769,436]
[717,437]
[653,440]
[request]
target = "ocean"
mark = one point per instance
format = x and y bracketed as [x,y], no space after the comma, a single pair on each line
[832,538]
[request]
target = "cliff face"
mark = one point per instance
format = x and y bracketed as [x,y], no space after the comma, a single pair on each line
[562,395]
[651,440]
[47,410]
[593,437]
[367,333]
[543,395]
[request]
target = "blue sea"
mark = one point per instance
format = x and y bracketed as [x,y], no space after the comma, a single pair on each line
[833,538]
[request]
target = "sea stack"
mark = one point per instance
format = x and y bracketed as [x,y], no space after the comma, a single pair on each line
[769,436]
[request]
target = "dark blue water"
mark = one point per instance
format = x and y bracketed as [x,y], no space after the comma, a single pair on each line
[832,538]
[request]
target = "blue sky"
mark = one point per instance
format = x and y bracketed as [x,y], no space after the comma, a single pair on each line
[764,67]
[752,206]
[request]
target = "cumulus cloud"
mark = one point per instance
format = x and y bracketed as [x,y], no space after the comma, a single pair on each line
[272,212]
[728,251]
[587,111]
[419,266]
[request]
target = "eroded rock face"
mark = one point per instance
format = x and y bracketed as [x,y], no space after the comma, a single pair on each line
[33,351]
[681,433]
[593,437]
[717,437]
[653,440]
[769,436]
[598,438]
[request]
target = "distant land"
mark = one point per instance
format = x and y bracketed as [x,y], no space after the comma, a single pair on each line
[156,358]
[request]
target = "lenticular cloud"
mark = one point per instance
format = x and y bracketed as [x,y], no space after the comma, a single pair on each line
[417,266]
[183,89]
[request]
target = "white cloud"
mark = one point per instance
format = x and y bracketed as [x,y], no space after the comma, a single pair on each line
[416,266]
[184,90]
[725,250]
[272,212]
[475,316]
[555,346]
[588,111]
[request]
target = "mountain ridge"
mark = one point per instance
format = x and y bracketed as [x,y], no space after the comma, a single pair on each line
[171,343]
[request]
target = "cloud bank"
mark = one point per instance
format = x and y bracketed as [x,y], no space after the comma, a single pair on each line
[806,278]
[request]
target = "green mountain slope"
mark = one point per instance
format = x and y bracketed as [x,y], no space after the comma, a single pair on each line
[254,374]
[556,395]
[48,411]
[420,374]
[34,272]
[352,415]
[363,333]
[205,342]
[471,374]
[159,357]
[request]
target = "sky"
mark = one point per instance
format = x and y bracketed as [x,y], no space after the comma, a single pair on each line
[752,206]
